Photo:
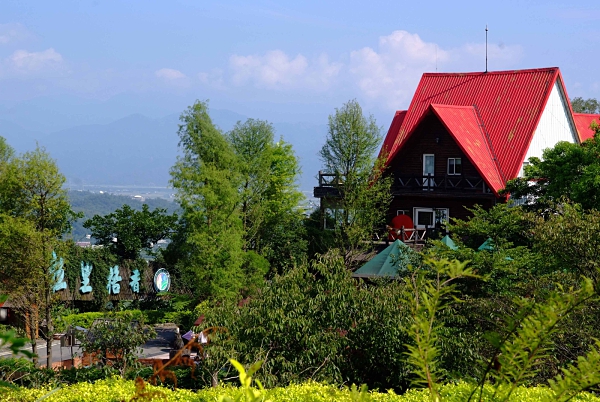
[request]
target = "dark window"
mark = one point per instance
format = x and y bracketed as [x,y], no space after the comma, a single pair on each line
[425,218]
[454,166]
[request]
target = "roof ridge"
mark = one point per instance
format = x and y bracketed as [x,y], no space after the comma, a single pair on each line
[451,106]
[499,72]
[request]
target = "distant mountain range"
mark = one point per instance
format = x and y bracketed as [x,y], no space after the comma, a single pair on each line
[136,150]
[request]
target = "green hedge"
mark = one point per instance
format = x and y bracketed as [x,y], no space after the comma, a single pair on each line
[85,320]
[150,317]
[183,318]
[117,389]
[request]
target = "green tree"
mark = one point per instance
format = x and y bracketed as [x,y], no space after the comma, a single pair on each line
[31,190]
[316,323]
[23,269]
[6,151]
[207,182]
[567,170]
[364,191]
[269,195]
[581,105]
[569,240]
[117,340]
[127,231]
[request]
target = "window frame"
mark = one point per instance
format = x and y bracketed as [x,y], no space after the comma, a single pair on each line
[454,159]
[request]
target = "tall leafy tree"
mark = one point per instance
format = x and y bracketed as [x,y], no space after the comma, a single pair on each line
[364,192]
[252,142]
[6,151]
[566,171]
[127,231]
[207,183]
[269,193]
[33,197]
[23,269]
[581,105]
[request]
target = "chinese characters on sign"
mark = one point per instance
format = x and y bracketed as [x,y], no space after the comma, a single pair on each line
[135,281]
[113,286]
[162,280]
[86,270]
[58,273]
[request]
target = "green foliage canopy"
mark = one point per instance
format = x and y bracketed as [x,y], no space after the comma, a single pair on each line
[581,105]
[207,182]
[567,170]
[36,211]
[363,191]
[269,195]
[126,231]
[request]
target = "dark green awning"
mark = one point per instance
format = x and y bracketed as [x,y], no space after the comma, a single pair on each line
[487,245]
[449,243]
[387,263]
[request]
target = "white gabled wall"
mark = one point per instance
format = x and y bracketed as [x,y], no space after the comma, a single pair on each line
[554,125]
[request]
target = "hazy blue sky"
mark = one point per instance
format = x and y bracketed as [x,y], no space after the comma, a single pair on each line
[279,60]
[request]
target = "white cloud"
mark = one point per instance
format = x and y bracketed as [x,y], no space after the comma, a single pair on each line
[500,56]
[13,32]
[24,62]
[390,74]
[276,70]
[169,74]
[213,78]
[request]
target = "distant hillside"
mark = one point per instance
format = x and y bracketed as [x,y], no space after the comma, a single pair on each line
[102,204]
[139,151]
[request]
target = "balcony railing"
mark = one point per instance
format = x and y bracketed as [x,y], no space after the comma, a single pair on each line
[440,184]
[329,184]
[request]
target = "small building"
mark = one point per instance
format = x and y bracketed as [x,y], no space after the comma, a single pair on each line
[465,135]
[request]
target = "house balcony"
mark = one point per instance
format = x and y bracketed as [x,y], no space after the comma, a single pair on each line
[432,185]
[329,184]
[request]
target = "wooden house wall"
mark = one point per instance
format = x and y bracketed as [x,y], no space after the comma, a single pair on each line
[409,160]
[457,207]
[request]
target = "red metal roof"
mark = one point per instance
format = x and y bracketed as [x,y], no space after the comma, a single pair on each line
[388,143]
[463,124]
[583,122]
[509,104]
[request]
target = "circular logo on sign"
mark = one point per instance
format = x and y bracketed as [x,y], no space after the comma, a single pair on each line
[162,280]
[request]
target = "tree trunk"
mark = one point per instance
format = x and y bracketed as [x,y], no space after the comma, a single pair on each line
[49,331]
[30,320]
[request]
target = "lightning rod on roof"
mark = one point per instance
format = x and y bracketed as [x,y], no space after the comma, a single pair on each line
[486,31]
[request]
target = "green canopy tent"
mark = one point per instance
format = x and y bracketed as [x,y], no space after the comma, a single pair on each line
[487,245]
[449,243]
[387,263]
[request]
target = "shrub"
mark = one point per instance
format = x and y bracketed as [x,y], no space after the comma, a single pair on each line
[85,320]
[23,372]
[115,389]
[315,323]
[115,340]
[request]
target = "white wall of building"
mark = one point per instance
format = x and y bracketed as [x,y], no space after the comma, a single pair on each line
[554,125]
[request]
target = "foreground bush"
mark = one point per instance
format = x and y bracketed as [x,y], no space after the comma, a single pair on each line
[122,390]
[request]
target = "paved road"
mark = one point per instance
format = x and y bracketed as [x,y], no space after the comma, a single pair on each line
[155,347]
